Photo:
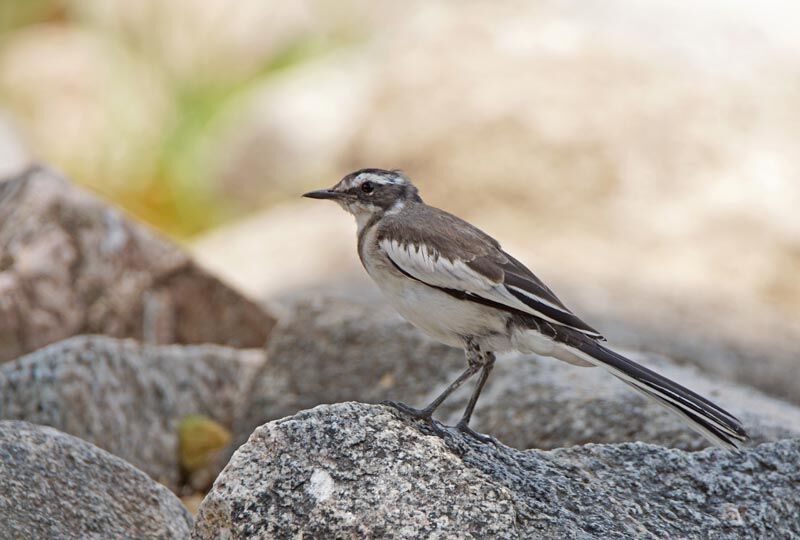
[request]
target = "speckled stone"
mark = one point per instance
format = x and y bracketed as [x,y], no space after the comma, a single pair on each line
[58,486]
[128,398]
[353,470]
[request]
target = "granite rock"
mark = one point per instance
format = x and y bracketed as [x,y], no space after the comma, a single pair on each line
[128,398]
[355,470]
[58,486]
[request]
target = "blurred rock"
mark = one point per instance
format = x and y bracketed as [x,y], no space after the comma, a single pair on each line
[128,398]
[580,126]
[285,120]
[84,100]
[14,157]
[259,258]
[750,347]
[354,470]
[346,344]
[70,264]
[58,486]
[199,437]
[252,36]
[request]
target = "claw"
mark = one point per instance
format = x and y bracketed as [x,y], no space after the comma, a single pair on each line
[421,414]
[485,439]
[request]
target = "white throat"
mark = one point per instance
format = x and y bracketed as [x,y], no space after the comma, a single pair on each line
[362,216]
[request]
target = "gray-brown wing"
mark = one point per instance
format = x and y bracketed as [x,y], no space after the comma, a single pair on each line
[443,251]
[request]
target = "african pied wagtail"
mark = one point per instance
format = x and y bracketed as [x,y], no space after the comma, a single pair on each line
[455,283]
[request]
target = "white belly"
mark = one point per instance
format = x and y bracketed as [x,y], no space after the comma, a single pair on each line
[441,316]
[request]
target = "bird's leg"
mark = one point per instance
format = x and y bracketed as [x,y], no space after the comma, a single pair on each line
[463,424]
[427,412]
[474,358]
[488,364]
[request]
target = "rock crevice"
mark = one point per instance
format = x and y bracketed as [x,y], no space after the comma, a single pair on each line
[58,486]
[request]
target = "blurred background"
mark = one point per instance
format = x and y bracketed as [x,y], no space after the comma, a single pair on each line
[643,157]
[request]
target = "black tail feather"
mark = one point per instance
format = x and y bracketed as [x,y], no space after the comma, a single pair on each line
[710,420]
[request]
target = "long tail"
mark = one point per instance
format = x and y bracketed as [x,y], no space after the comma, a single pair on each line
[714,423]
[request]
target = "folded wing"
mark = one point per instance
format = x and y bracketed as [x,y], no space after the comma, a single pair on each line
[486,275]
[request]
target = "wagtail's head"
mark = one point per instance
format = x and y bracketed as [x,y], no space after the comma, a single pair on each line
[370,192]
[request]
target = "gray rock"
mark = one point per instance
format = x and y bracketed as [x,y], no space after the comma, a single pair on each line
[352,470]
[347,344]
[71,264]
[58,486]
[128,398]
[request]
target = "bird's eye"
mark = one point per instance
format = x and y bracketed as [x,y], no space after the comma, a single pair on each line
[367,187]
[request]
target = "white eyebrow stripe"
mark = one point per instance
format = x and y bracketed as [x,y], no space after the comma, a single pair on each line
[379,179]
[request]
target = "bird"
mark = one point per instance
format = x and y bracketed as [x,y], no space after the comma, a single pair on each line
[456,283]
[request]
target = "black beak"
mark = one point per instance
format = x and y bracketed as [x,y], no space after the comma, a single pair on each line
[322,194]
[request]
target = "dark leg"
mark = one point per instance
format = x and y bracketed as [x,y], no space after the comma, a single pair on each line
[487,369]
[463,424]
[427,412]
[475,360]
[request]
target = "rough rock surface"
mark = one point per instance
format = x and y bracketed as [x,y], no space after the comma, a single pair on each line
[330,348]
[71,264]
[355,470]
[128,398]
[58,486]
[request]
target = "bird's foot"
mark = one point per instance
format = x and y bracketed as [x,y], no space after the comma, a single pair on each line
[485,439]
[420,414]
